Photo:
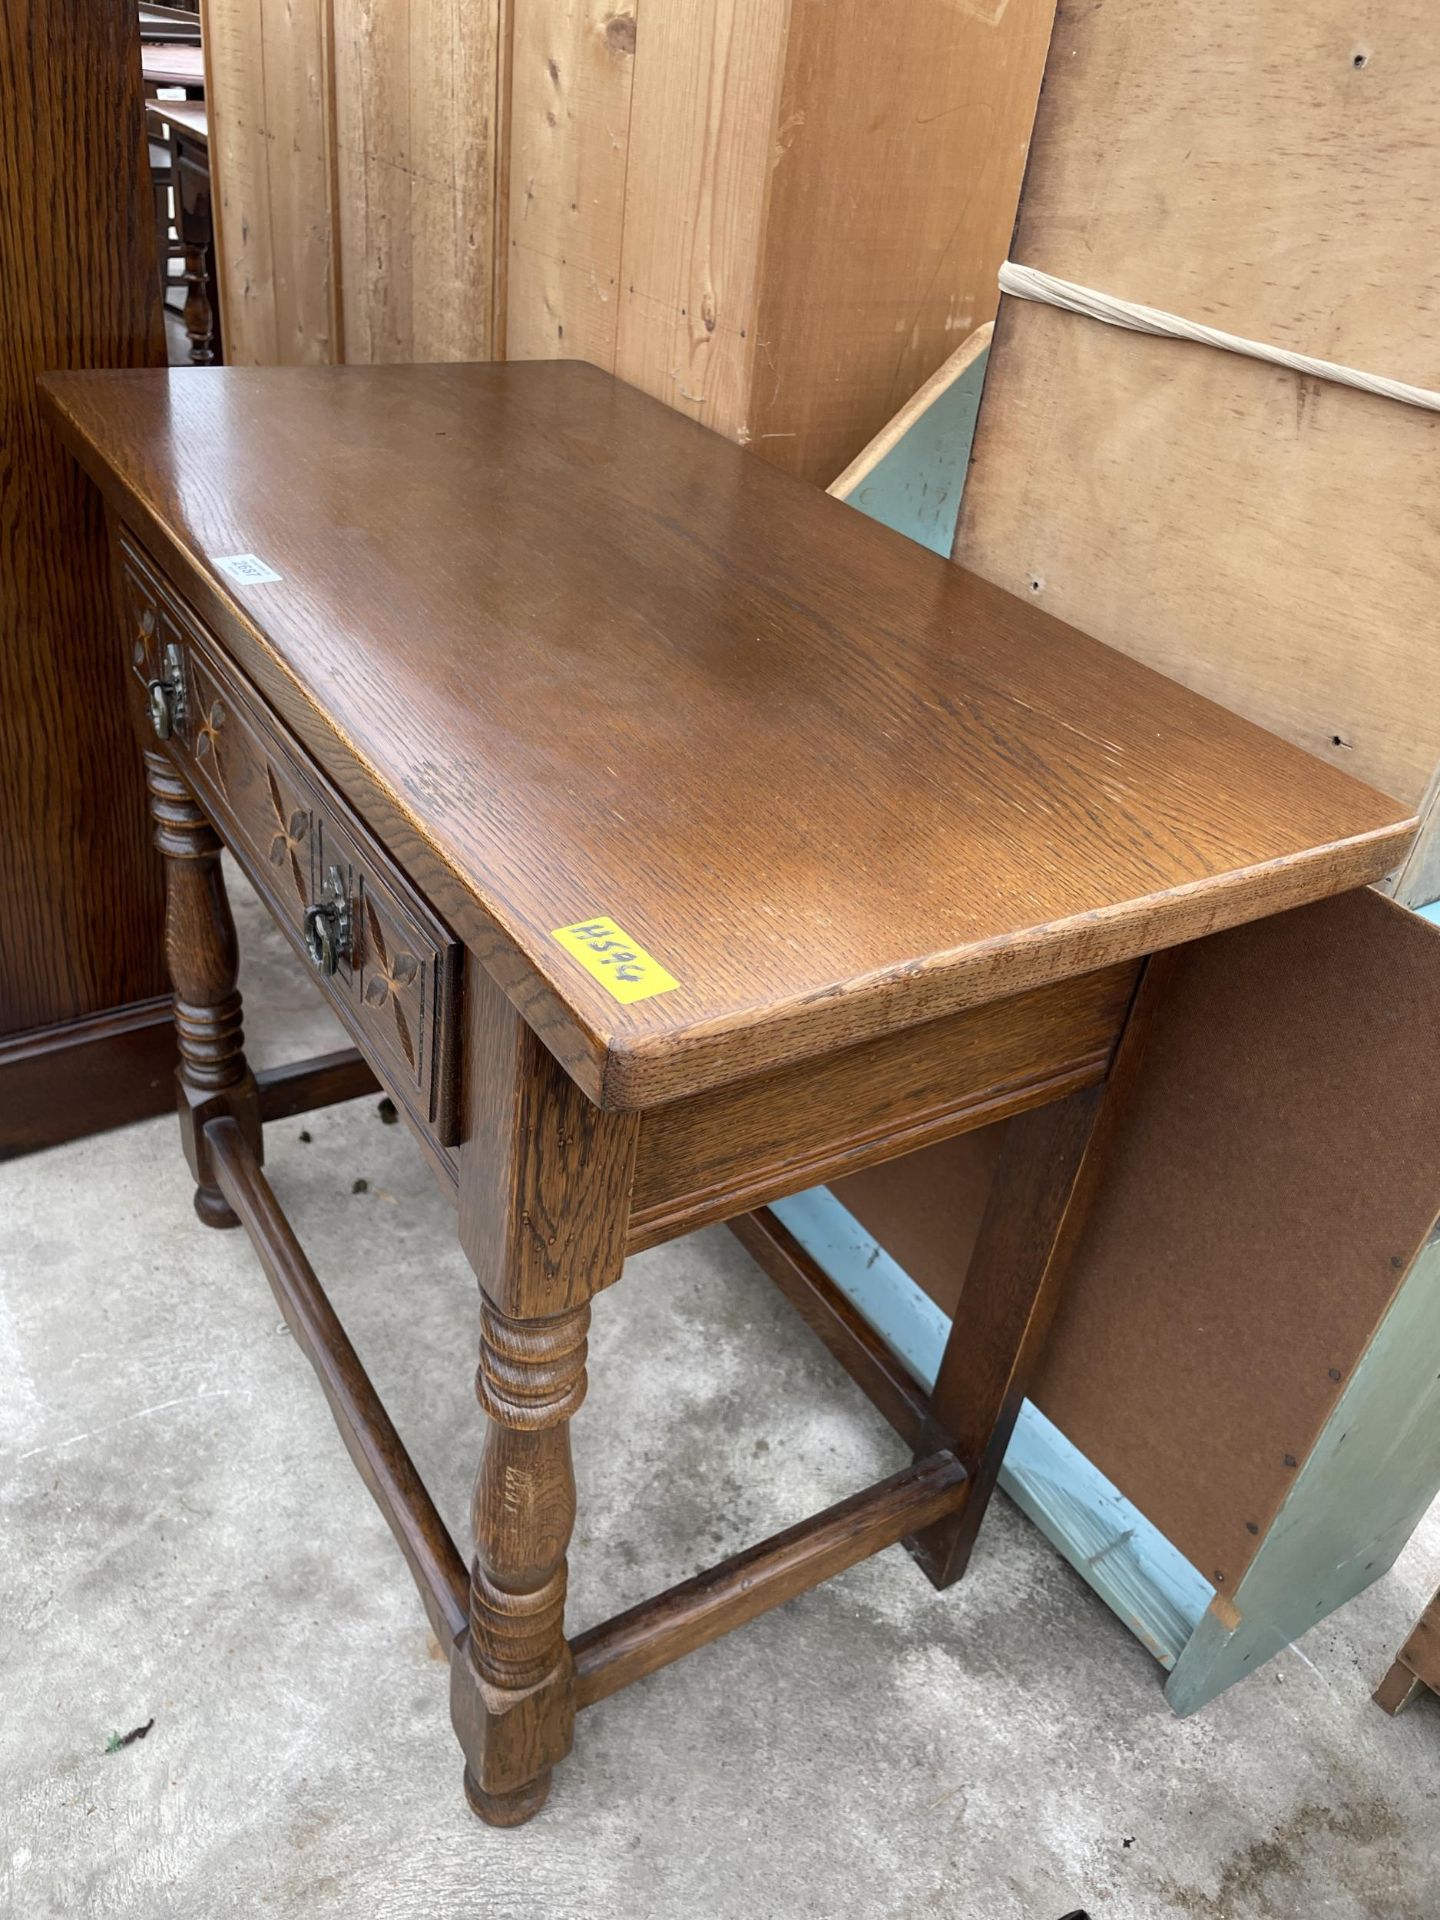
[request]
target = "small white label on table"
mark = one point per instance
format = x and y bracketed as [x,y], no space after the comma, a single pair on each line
[248,568]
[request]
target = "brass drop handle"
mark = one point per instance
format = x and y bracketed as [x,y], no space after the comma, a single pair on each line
[167,696]
[327,926]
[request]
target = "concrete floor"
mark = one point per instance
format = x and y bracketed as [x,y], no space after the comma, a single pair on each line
[181,1535]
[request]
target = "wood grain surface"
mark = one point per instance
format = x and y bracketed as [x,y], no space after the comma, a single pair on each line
[789,258]
[80,887]
[1272,171]
[269,91]
[753,1142]
[900,139]
[570,655]
[1268,538]
[1200,511]
[571,67]
[417,95]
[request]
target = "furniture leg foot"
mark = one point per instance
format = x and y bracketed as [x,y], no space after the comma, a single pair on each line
[213,1209]
[508,1809]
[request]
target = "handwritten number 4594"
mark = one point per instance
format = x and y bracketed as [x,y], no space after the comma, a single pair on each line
[613,953]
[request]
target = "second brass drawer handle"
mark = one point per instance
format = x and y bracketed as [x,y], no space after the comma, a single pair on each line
[327,925]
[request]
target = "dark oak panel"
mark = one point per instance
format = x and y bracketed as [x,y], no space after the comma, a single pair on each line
[80,898]
[59,1083]
[571,655]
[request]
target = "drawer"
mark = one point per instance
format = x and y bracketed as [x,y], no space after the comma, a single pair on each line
[396,965]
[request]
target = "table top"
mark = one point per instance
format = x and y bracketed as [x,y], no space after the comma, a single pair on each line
[192,115]
[575,657]
[163,65]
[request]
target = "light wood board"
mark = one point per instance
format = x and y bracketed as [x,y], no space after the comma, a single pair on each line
[779,216]
[702,123]
[1271,170]
[268,91]
[418,99]
[899,144]
[572,63]
[1271,541]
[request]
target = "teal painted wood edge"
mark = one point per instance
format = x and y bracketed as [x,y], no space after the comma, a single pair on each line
[915,488]
[1431,913]
[1136,1571]
[1357,1498]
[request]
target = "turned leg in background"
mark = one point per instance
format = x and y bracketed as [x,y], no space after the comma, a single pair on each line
[545,1182]
[200,948]
[198,314]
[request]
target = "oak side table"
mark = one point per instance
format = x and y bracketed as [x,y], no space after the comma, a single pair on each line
[668,840]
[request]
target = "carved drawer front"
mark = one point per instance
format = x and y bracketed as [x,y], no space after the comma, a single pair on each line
[395,965]
[151,628]
[399,968]
[254,790]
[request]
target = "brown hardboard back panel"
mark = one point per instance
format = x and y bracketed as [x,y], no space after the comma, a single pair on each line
[1270,1182]
[925,1208]
[1276,1170]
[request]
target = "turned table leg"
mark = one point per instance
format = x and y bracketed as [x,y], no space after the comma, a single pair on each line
[544,1202]
[531,1381]
[200,948]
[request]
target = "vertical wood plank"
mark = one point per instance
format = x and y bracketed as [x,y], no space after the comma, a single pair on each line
[899,149]
[240,179]
[572,66]
[268,89]
[417,136]
[455,73]
[372,136]
[299,135]
[702,124]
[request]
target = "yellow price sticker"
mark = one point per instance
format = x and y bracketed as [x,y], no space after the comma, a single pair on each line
[620,964]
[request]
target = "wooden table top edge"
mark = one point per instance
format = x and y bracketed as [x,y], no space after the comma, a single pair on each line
[633,1070]
[637,1065]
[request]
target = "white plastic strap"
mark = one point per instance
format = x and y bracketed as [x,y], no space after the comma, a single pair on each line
[1028,283]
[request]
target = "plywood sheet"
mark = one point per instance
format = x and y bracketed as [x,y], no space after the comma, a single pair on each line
[572,64]
[900,138]
[1272,541]
[1271,170]
[1273,1177]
